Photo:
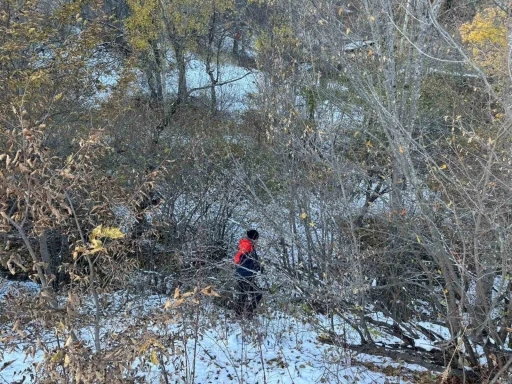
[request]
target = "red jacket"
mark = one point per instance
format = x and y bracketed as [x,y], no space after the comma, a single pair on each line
[244,246]
[246,259]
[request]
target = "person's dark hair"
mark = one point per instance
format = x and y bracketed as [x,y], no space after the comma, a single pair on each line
[253,234]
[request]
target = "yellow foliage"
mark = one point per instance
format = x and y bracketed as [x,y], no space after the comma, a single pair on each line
[177,18]
[41,59]
[105,232]
[486,34]
[95,244]
[488,26]
[57,356]
[144,24]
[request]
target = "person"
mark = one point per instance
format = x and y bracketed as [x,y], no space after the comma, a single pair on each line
[248,265]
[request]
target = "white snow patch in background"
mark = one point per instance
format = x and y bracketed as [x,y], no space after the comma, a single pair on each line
[232,96]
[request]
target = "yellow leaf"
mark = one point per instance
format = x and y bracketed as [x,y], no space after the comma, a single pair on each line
[96,243]
[208,291]
[66,360]
[57,97]
[66,173]
[158,344]
[108,232]
[372,18]
[177,303]
[56,357]
[444,166]
[401,149]
[68,341]
[95,250]
[176,293]
[418,239]
[487,36]
[112,233]
[348,31]
[311,224]
[340,11]
[303,215]
[369,144]
[154,357]
[95,232]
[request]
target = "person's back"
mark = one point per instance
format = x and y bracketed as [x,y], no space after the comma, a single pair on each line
[246,259]
[248,266]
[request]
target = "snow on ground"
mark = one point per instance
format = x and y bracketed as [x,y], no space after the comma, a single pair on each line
[14,363]
[16,288]
[272,348]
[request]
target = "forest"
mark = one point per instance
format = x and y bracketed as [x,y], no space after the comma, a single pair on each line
[369,142]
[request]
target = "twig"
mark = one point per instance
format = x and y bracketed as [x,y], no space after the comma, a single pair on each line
[92,286]
[37,263]
[501,371]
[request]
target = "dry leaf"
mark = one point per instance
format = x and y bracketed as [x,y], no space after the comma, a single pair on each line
[66,360]
[177,303]
[154,357]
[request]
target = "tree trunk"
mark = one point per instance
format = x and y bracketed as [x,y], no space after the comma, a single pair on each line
[181,65]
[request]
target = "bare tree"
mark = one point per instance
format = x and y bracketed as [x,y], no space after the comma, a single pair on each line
[430,185]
